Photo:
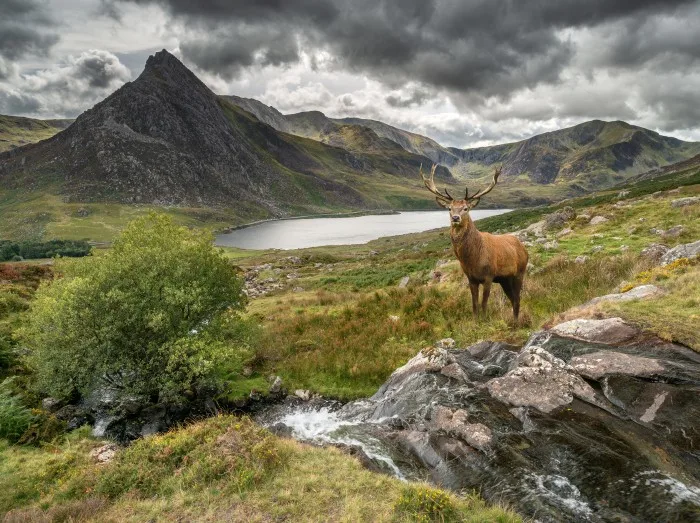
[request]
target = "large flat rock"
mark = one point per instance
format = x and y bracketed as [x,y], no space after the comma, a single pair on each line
[608,330]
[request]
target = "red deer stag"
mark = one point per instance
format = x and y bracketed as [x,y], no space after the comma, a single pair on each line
[485,258]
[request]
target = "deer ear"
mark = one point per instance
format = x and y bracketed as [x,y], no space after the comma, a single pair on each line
[442,203]
[474,203]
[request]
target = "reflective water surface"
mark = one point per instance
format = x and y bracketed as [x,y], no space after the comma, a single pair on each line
[314,232]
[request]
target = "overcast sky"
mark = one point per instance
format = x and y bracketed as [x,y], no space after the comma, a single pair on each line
[464,72]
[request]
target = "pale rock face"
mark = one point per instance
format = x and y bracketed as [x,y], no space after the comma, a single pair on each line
[304,395]
[536,228]
[596,220]
[609,330]
[595,365]
[689,250]
[454,422]
[654,251]
[685,202]
[541,381]
[637,293]
[430,359]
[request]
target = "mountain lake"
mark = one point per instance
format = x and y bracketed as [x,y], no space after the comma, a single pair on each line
[314,232]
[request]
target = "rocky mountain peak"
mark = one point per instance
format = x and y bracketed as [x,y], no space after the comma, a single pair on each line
[166,68]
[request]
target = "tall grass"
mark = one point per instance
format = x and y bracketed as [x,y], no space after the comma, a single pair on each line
[349,348]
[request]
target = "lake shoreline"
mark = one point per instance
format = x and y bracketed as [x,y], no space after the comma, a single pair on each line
[336,229]
[350,214]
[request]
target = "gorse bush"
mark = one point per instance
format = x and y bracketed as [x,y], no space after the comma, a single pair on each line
[15,418]
[152,316]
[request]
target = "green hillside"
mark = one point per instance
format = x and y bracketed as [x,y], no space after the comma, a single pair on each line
[16,131]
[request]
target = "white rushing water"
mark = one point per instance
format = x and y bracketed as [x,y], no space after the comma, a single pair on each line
[315,232]
[323,426]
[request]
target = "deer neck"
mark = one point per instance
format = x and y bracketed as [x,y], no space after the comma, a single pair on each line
[466,240]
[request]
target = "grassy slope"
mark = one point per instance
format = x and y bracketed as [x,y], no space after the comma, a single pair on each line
[221,469]
[16,131]
[348,326]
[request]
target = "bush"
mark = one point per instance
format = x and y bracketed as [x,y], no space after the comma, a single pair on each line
[15,418]
[152,316]
[18,251]
[422,503]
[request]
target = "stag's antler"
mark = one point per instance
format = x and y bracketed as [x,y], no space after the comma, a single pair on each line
[493,183]
[430,184]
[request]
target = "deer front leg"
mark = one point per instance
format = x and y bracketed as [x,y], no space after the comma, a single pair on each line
[474,287]
[485,297]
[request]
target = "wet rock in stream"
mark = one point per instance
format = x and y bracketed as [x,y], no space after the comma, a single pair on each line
[563,429]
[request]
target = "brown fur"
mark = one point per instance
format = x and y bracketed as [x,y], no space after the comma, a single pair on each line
[487,258]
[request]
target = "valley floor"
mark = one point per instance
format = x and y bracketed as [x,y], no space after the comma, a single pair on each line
[336,321]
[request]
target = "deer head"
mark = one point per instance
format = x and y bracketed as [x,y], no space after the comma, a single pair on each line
[458,208]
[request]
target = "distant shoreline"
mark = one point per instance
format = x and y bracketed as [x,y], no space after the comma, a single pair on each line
[351,214]
[376,212]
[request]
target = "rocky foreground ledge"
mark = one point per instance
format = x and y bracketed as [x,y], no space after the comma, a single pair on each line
[590,421]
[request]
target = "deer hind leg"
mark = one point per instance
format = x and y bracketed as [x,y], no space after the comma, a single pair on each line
[474,288]
[517,284]
[485,297]
[508,290]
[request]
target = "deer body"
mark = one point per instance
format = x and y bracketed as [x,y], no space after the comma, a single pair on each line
[485,258]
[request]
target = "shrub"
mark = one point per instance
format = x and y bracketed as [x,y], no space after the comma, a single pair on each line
[15,418]
[18,251]
[422,503]
[152,316]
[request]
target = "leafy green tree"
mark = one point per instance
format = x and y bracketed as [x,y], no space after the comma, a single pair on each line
[152,315]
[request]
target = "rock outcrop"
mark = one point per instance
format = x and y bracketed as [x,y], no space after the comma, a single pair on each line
[688,250]
[567,428]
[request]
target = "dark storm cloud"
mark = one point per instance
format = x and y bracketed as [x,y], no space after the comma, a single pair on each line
[25,28]
[671,41]
[487,46]
[226,51]
[415,97]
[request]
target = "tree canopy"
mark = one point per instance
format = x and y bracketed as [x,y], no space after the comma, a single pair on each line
[149,316]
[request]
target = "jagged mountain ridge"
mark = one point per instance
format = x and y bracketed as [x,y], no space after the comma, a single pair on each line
[588,156]
[317,126]
[167,139]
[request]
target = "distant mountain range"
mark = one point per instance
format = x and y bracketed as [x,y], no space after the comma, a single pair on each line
[588,156]
[166,139]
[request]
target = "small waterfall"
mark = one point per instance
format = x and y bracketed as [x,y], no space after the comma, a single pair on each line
[324,426]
